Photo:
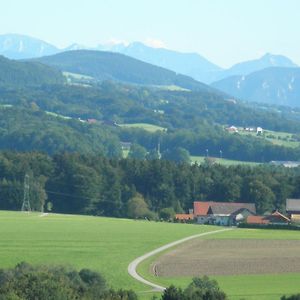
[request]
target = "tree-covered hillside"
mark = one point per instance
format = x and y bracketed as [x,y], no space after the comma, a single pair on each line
[16,73]
[194,121]
[114,66]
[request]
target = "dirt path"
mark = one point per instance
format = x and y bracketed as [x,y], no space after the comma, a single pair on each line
[133,265]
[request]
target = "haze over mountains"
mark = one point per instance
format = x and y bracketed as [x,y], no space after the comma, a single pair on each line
[249,80]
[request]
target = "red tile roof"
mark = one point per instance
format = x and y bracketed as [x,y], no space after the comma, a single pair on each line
[257,220]
[184,216]
[201,208]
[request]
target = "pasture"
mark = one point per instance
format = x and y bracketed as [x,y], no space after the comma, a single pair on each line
[102,244]
[248,263]
[108,245]
[145,126]
[275,137]
[222,161]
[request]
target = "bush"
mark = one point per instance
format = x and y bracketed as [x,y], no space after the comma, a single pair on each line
[200,289]
[26,282]
[293,297]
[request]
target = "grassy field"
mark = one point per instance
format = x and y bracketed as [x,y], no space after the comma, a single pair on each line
[223,161]
[106,245]
[275,137]
[248,287]
[145,126]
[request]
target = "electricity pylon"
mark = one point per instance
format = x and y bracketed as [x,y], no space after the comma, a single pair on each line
[26,200]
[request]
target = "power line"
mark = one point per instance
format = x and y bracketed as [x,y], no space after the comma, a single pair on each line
[26,200]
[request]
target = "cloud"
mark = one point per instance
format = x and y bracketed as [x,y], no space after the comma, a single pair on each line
[154,43]
[114,41]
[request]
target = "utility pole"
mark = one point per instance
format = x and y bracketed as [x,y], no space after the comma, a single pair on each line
[26,200]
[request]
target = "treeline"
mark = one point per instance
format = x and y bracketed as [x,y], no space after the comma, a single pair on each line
[33,130]
[90,184]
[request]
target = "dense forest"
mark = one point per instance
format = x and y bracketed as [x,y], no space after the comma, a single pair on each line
[89,184]
[16,73]
[193,120]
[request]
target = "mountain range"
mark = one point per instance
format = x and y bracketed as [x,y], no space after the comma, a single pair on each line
[191,64]
[274,85]
[270,79]
[102,65]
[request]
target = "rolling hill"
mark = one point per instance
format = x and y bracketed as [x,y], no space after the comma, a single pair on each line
[274,85]
[103,65]
[17,73]
[190,64]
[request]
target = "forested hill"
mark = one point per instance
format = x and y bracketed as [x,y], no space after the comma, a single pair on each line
[17,73]
[114,66]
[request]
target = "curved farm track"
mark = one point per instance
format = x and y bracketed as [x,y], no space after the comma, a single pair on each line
[229,257]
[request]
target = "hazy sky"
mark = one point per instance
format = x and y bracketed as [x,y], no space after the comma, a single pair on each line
[224,31]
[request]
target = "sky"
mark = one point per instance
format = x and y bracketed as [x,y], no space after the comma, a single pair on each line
[223,31]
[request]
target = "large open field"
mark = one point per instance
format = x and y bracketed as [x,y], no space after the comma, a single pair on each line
[106,245]
[248,264]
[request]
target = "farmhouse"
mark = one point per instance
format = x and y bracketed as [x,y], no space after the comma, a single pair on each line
[222,213]
[232,129]
[286,164]
[275,218]
[293,209]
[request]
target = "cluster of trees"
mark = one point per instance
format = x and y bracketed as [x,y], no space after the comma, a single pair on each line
[200,289]
[27,282]
[90,184]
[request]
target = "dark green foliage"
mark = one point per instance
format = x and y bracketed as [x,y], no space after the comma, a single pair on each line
[293,297]
[113,66]
[194,121]
[16,73]
[27,130]
[137,152]
[200,289]
[178,154]
[93,184]
[26,282]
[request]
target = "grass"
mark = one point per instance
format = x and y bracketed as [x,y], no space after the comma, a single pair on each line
[145,126]
[57,115]
[106,245]
[275,137]
[223,161]
[248,287]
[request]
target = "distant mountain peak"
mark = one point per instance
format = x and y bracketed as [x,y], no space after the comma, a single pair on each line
[17,46]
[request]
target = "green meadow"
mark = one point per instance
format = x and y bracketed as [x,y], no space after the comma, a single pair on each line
[223,161]
[145,126]
[106,245]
